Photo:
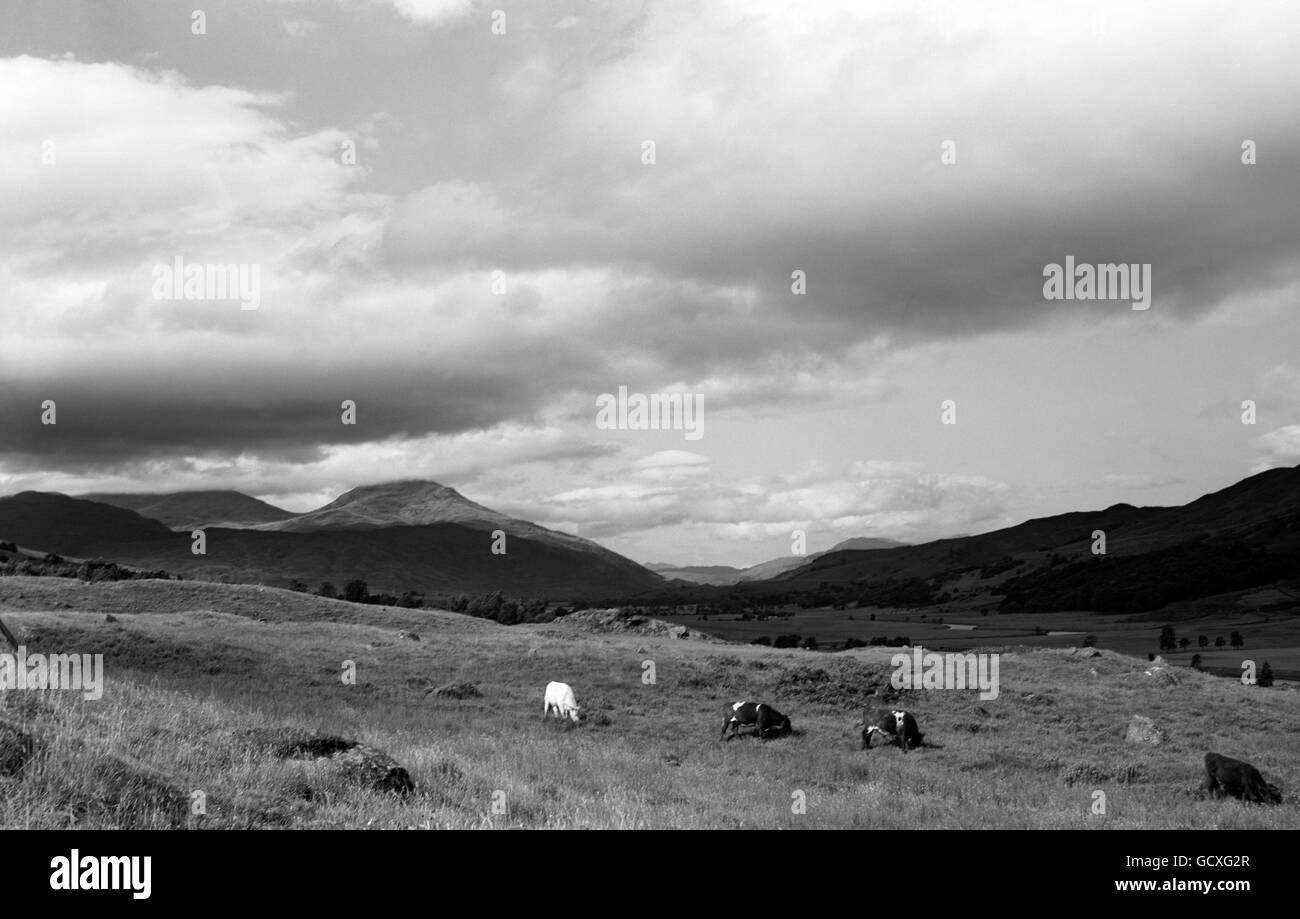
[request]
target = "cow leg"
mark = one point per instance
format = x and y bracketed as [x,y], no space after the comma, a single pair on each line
[727,724]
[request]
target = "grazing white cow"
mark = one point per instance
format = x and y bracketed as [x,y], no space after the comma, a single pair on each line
[559,697]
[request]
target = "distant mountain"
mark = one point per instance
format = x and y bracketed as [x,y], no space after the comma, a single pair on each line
[724,575]
[408,536]
[864,543]
[698,574]
[189,510]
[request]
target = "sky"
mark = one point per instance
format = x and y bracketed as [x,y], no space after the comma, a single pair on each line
[457,226]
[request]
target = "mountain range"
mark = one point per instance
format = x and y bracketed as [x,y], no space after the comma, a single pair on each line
[425,537]
[399,536]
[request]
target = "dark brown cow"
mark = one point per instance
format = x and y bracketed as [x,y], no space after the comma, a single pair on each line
[765,717]
[1227,776]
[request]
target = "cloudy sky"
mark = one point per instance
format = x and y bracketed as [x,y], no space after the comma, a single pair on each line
[788,136]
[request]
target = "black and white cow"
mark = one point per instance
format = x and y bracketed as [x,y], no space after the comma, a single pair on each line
[898,724]
[1227,776]
[765,717]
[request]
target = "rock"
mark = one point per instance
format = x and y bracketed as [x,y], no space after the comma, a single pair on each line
[110,618]
[678,631]
[1162,673]
[411,636]
[364,765]
[1142,730]
[1089,652]
[456,691]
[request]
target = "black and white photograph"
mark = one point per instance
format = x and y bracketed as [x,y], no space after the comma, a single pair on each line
[649,415]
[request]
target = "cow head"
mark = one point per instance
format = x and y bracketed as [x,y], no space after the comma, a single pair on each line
[868,732]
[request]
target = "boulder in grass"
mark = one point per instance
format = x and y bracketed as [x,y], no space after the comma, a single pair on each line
[1142,730]
[364,765]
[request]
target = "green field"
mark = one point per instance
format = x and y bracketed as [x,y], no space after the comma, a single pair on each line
[192,674]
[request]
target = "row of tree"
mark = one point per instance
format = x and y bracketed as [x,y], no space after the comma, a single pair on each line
[495,606]
[1169,640]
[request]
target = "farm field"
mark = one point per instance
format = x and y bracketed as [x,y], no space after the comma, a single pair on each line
[1274,637]
[192,672]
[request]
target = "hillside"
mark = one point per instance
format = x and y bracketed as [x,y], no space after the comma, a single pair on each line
[190,510]
[1259,515]
[57,523]
[198,684]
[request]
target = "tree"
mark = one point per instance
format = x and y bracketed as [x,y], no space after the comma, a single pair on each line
[810,643]
[1237,640]
[1168,638]
[1196,661]
[1265,677]
[355,591]
[327,590]
[1219,642]
[298,586]
[1202,641]
[1184,642]
[1090,641]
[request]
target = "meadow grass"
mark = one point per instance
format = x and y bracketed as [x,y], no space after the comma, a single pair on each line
[191,674]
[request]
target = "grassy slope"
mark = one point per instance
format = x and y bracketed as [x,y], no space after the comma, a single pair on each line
[187,677]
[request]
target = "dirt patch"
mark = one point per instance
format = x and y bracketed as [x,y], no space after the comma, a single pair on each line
[456,691]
